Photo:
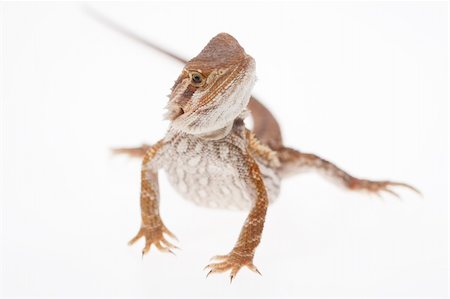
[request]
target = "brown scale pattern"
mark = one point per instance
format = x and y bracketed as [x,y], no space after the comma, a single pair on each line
[259,158]
[244,250]
[265,152]
[294,161]
[152,227]
[261,150]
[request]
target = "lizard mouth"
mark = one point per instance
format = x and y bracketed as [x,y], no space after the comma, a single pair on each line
[180,112]
[174,111]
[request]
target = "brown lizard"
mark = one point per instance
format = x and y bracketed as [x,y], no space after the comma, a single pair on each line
[211,158]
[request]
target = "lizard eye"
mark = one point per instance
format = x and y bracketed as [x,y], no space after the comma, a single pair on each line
[197,79]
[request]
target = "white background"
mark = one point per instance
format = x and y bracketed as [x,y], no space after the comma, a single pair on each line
[362,84]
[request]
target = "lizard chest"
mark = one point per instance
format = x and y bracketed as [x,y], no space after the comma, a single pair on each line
[209,173]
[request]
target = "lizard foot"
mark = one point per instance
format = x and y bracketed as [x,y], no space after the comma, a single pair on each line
[377,187]
[233,261]
[155,236]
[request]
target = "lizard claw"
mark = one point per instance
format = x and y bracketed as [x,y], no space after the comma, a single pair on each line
[218,257]
[377,187]
[254,269]
[387,190]
[208,273]
[233,262]
[154,236]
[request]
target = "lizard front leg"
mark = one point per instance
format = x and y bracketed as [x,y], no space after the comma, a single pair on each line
[134,152]
[244,250]
[152,227]
[293,161]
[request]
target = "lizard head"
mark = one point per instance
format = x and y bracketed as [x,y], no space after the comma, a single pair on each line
[213,89]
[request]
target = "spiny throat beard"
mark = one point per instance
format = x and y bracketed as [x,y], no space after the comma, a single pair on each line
[219,112]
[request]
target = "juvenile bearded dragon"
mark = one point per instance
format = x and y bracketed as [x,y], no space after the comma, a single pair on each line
[212,159]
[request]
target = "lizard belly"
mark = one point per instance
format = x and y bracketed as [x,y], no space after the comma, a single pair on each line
[208,174]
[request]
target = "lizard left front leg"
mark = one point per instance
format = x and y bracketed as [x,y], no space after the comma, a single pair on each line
[244,250]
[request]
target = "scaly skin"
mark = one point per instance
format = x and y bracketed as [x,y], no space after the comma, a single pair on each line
[213,160]
[206,110]
[152,227]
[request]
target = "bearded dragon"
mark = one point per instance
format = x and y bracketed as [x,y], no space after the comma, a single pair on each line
[212,159]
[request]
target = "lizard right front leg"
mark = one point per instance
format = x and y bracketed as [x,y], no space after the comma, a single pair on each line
[152,227]
[134,152]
